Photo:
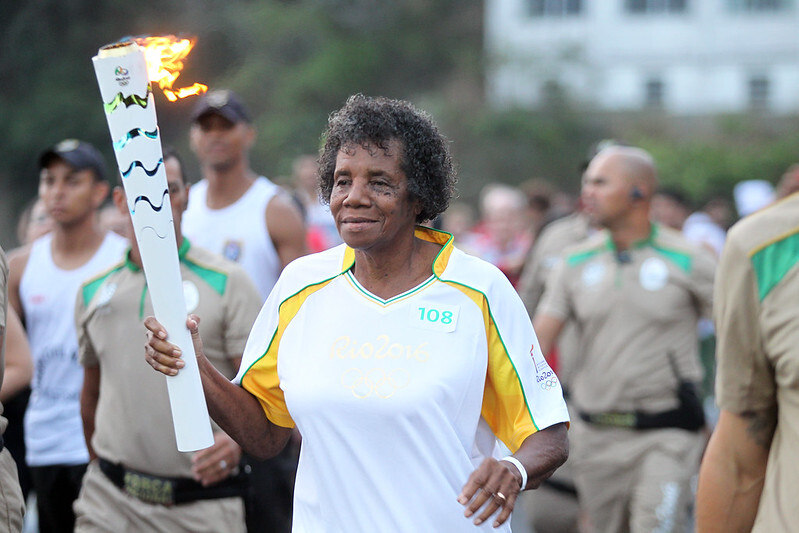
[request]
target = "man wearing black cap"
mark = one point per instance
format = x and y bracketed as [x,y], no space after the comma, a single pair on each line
[43,284]
[250,220]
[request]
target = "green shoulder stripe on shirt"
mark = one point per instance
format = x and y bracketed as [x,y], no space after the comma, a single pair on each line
[773,261]
[581,257]
[216,279]
[681,259]
[89,288]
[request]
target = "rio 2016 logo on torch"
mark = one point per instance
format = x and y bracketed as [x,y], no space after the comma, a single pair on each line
[122,76]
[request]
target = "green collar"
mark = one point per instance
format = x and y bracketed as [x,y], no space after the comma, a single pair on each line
[646,241]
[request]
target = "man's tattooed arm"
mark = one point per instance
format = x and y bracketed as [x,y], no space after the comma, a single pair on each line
[761,426]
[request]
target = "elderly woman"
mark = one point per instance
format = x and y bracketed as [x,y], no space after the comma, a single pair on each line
[400,358]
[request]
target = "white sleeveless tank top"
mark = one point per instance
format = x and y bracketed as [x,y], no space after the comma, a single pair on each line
[53,425]
[237,231]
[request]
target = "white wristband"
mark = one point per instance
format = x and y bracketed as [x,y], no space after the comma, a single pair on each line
[515,462]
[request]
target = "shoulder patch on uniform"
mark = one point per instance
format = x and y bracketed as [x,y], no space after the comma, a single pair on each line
[89,289]
[773,260]
[216,279]
[678,257]
[577,258]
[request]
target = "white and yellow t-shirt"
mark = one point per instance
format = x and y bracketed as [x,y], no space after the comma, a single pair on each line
[398,400]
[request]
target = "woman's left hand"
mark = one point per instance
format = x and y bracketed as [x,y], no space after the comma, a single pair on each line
[493,486]
[218,462]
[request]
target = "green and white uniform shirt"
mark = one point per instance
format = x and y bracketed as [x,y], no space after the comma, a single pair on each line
[757,326]
[636,312]
[133,422]
[397,400]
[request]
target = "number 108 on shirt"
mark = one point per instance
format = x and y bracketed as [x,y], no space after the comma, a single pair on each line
[435,316]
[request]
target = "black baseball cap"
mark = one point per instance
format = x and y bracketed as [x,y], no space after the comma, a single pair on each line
[223,102]
[78,154]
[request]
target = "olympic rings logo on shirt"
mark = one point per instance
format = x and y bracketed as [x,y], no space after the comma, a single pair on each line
[549,383]
[377,382]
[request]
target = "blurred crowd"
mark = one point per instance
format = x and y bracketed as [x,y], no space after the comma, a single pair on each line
[527,230]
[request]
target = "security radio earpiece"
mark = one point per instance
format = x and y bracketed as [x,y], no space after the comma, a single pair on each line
[636,194]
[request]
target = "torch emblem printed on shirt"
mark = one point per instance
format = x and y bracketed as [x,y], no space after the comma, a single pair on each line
[540,364]
[544,375]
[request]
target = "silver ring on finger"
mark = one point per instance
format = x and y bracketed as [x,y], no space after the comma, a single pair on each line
[223,464]
[501,497]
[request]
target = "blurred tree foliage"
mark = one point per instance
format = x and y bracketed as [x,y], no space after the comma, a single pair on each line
[730,149]
[295,61]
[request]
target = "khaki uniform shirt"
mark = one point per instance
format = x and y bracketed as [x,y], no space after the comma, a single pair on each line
[133,421]
[636,312]
[757,326]
[545,255]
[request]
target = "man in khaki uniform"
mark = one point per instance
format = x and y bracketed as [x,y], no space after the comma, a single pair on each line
[553,507]
[12,507]
[136,476]
[750,473]
[635,291]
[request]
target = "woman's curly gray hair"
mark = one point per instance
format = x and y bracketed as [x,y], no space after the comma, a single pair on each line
[425,157]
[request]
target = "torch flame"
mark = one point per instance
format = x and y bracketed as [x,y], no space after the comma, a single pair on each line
[164,57]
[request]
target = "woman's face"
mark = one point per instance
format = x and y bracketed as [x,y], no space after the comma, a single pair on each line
[370,200]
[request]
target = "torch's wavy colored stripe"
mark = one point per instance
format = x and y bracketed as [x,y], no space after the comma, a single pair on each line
[132,134]
[154,231]
[139,164]
[147,199]
[133,99]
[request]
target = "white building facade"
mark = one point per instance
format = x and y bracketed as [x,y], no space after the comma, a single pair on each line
[689,57]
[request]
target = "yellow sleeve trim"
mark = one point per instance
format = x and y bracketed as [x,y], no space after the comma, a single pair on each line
[505,406]
[261,379]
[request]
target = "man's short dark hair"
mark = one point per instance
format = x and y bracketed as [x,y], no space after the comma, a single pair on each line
[170,152]
[425,157]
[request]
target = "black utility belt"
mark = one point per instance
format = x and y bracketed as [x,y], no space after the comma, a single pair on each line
[673,418]
[565,487]
[169,490]
[688,414]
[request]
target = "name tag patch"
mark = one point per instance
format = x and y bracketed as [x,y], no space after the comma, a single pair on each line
[434,316]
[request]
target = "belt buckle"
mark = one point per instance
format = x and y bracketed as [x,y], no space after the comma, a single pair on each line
[150,489]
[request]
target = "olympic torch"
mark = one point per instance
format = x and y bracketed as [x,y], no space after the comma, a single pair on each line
[122,73]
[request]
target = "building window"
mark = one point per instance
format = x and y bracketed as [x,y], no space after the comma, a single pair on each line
[554,8]
[758,92]
[655,6]
[653,93]
[759,5]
